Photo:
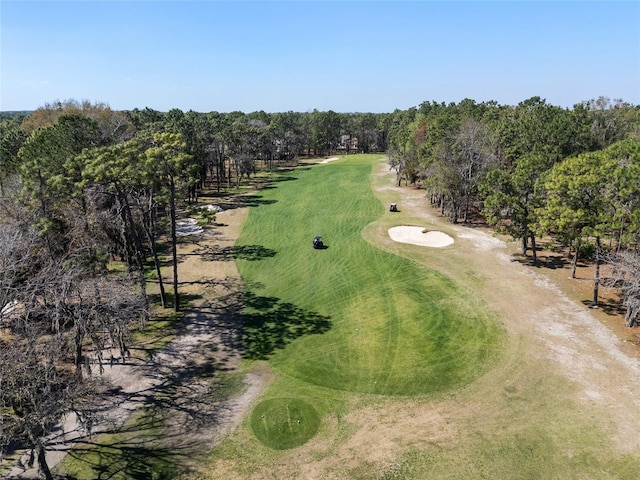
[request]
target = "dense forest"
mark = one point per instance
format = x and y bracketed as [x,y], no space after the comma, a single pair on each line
[83,186]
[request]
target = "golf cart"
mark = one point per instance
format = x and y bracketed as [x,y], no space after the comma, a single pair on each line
[317,242]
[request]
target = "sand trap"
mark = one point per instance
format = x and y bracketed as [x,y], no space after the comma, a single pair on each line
[214,208]
[417,236]
[188,226]
[327,160]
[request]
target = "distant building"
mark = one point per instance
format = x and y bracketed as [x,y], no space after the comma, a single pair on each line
[348,143]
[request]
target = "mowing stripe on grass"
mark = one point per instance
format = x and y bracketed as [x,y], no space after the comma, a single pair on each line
[353,317]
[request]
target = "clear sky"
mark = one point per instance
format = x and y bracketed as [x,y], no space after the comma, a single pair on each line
[358,56]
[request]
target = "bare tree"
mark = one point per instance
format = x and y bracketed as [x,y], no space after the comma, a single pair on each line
[36,392]
[460,162]
[626,277]
[473,154]
[52,310]
[406,166]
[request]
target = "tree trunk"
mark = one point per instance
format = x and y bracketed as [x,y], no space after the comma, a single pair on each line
[122,231]
[79,337]
[174,245]
[42,461]
[534,254]
[574,264]
[149,229]
[41,456]
[525,244]
[621,232]
[130,238]
[465,217]
[220,167]
[632,317]
[137,245]
[596,283]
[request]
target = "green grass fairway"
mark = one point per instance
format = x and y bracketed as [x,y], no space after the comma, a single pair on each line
[283,423]
[352,317]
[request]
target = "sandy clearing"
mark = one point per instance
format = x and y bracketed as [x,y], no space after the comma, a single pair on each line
[327,160]
[418,236]
[188,226]
[482,240]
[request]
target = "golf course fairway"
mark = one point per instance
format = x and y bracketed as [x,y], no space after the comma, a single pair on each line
[352,317]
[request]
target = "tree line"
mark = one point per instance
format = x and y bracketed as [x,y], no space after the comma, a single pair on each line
[534,170]
[82,185]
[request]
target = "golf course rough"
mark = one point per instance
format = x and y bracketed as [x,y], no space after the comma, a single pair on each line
[383,324]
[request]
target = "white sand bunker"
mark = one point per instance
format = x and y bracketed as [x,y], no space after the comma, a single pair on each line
[327,160]
[418,236]
[188,226]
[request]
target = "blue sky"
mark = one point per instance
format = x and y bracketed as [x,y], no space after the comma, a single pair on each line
[358,56]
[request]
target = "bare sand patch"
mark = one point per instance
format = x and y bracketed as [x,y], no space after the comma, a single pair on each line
[188,226]
[327,160]
[418,236]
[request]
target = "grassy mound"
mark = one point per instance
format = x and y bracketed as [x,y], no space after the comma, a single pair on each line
[282,423]
[352,317]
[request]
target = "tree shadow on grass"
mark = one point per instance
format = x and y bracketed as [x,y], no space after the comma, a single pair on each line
[610,307]
[241,201]
[134,459]
[143,449]
[274,182]
[552,262]
[243,252]
[185,298]
[178,410]
[270,324]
